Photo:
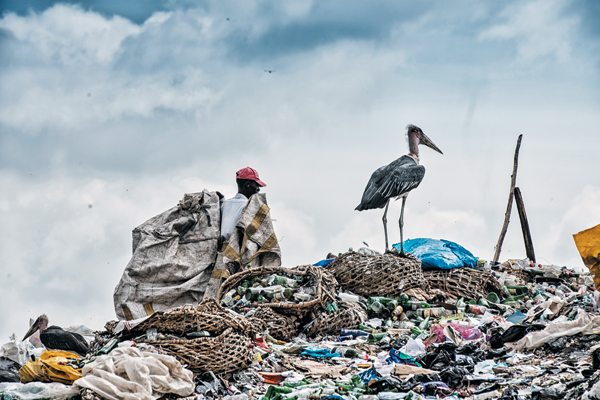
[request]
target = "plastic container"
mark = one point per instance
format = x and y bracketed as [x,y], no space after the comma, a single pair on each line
[348,297]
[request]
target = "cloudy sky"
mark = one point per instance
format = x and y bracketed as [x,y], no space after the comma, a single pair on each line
[110,111]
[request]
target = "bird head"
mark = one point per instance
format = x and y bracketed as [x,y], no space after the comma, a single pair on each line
[421,137]
[40,323]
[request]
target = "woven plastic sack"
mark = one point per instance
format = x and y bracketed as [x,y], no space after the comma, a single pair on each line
[463,282]
[349,316]
[439,253]
[173,258]
[324,282]
[51,366]
[280,326]
[386,274]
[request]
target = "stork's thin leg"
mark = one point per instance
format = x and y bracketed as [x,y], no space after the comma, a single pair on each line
[384,219]
[401,223]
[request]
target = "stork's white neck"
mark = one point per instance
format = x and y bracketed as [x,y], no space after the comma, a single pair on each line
[414,157]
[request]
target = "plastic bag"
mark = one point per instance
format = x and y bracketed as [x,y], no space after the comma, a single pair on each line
[51,366]
[38,390]
[466,332]
[318,352]
[441,253]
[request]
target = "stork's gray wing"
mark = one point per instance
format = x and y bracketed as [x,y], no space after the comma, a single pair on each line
[393,180]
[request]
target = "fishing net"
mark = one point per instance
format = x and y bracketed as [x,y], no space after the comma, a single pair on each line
[227,350]
[230,351]
[386,274]
[280,326]
[323,282]
[349,316]
[463,282]
[207,316]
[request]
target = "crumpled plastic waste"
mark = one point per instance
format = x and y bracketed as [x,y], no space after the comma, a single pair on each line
[318,352]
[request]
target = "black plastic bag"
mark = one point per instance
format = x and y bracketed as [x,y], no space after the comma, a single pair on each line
[9,370]
[496,339]
[467,349]
[496,353]
[550,393]
[557,344]
[596,358]
[510,393]
[386,384]
[453,376]
[517,332]
[211,386]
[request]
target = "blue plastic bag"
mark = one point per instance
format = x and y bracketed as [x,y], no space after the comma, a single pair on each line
[439,253]
[318,352]
[324,263]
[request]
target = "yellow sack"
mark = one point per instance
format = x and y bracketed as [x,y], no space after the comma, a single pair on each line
[588,244]
[51,366]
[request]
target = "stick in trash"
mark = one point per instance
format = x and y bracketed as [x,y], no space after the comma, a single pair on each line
[524,225]
[510,200]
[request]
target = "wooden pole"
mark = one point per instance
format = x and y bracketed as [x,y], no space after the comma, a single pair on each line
[524,225]
[510,201]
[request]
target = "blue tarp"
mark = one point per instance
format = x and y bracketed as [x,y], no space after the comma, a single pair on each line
[324,263]
[439,253]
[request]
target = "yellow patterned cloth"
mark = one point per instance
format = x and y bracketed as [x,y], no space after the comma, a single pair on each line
[588,244]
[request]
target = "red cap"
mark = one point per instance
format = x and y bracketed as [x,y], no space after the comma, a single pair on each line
[249,173]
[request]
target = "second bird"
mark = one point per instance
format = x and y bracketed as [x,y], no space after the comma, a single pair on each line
[396,180]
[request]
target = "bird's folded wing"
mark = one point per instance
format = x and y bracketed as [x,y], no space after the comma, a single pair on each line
[401,180]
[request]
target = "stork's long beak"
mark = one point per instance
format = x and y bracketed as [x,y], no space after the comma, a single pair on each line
[32,330]
[427,142]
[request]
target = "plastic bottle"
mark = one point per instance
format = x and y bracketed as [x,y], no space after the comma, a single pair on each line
[415,305]
[346,352]
[515,298]
[199,334]
[436,312]
[517,290]
[376,306]
[475,309]
[112,343]
[353,332]
[348,297]
[376,337]
[252,294]
[229,298]
[397,311]
[302,297]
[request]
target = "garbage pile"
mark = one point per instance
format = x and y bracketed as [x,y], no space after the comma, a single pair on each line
[364,326]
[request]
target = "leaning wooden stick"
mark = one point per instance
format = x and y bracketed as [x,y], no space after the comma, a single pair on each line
[524,225]
[510,201]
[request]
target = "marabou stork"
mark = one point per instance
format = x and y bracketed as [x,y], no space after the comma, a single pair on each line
[397,179]
[56,338]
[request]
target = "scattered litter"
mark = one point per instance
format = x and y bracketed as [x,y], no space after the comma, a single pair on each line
[360,326]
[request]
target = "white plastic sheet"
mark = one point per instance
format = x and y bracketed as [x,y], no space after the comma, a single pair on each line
[129,374]
[583,323]
[38,390]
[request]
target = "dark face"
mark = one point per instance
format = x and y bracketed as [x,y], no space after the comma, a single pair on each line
[250,188]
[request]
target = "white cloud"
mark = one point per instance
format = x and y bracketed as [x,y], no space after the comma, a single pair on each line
[539,27]
[68,35]
[583,213]
[180,102]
